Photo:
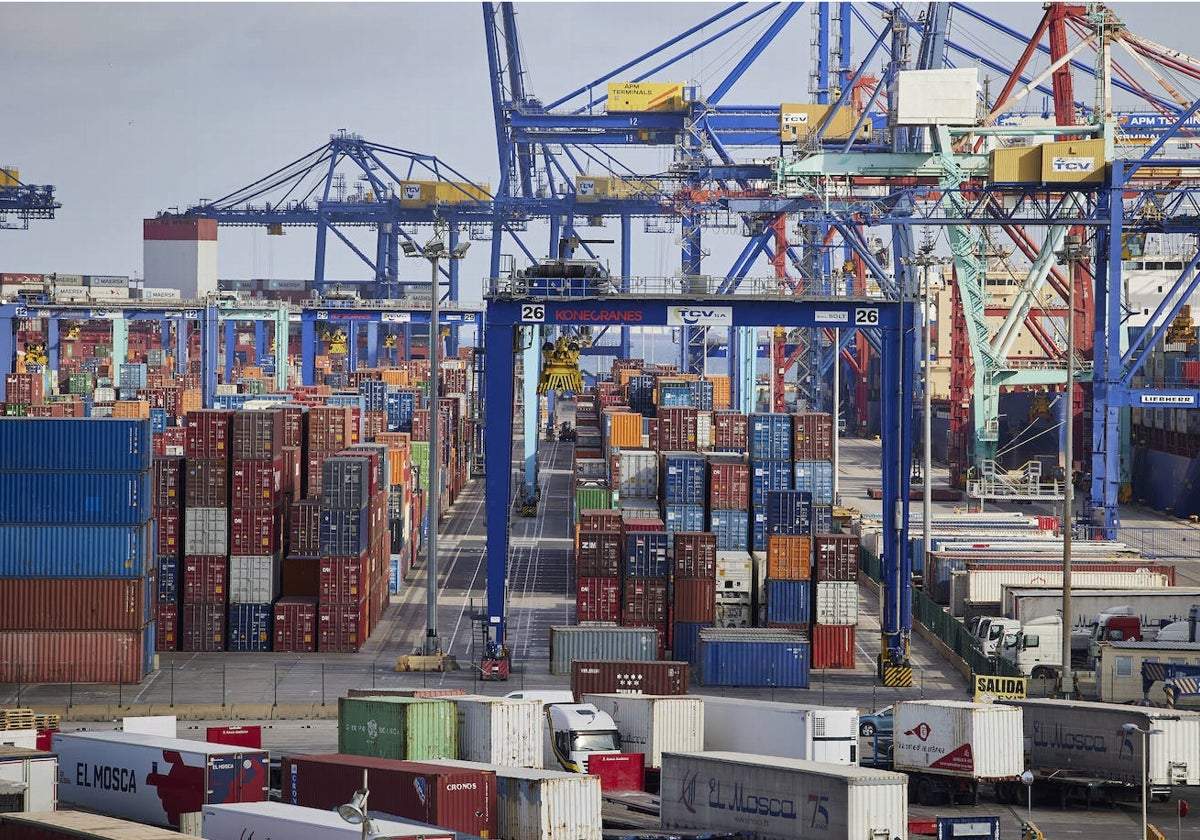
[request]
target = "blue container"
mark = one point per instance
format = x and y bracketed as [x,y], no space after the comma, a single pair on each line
[374,394]
[646,554]
[352,400]
[75,444]
[766,476]
[158,420]
[640,394]
[149,640]
[167,587]
[127,394]
[345,482]
[686,641]
[344,533]
[133,375]
[702,394]
[822,519]
[682,518]
[735,658]
[674,395]
[394,576]
[789,512]
[732,529]
[815,477]
[250,626]
[770,437]
[789,601]
[233,402]
[81,551]
[683,479]
[76,498]
[335,380]
[400,408]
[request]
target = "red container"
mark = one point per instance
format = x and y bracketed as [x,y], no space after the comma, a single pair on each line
[25,388]
[235,736]
[832,645]
[168,482]
[257,484]
[295,625]
[202,628]
[73,603]
[170,538]
[600,520]
[343,579]
[637,525]
[1190,370]
[254,531]
[836,556]
[166,627]
[312,474]
[450,797]
[257,435]
[57,656]
[625,677]
[301,577]
[695,599]
[728,485]
[304,529]
[695,555]
[341,628]
[729,431]
[677,430]
[295,424]
[205,579]
[206,483]
[208,434]
[330,428]
[174,436]
[812,437]
[598,599]
[645,600]
[599,554]
[619,771]
[291,480]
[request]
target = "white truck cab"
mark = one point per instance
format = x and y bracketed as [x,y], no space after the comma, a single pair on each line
[576,731]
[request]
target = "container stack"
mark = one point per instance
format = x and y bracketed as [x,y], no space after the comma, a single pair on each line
[694,597]
[770,440]
[77,588]
[836,610]
[169,475]
[644,589]
[598,565]
[256,525]
[207,444]
[349,481]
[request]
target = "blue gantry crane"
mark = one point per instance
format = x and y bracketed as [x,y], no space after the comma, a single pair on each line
[20,202]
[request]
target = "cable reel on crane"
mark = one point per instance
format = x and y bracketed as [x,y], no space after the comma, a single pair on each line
[560,366]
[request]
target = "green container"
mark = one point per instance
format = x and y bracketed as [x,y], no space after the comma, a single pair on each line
[102,351]
[79,383]
[398,727]
[420,458]
[252,386]
[15,409]
[592,498]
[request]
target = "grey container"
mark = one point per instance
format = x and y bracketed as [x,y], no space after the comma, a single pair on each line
[345,482]
[600,641]
[206,530]
[253,579]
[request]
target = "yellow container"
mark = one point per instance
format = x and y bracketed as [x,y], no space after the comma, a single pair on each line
[399,378]
[796,121]
[10,177]
[1019,164]
[191,400]
[636,97]
[425,193]
[625,430]
[596,187]
[1074,162]
[134,409]
[721,395]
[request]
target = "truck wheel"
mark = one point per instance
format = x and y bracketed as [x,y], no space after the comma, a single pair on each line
[1041,673]
[924,792]
[1000,789]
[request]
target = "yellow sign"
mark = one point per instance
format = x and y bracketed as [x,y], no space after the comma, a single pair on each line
[999,688]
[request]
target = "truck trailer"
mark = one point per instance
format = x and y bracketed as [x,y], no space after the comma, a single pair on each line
[790,730]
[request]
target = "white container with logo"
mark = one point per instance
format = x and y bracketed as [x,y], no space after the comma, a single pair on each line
[958,738]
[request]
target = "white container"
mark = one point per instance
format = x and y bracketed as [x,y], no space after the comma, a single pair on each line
[104,293]
[735,571]
[987,585]
[105,394]
[24,738]
[253,578]
[791,730]
[933,97]
[120,773]
[732,614]
[542,804]
[637,474]
[106,281]
[500,730]
[837,602]
[652,724]
[36,771]
[781,798]
[703,430]
[70,294]
[205,530]
[959,738]
[161,294]
[294,822]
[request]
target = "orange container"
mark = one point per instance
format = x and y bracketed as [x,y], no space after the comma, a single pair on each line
[191,400]
[625,430]
[721,398]
[136,409]
[789,557]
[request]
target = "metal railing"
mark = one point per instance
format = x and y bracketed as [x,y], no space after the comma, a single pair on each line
[691,286]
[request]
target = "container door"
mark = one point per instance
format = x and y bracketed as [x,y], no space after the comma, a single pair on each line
[237,777]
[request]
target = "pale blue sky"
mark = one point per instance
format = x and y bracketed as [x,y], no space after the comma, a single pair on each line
[133,108]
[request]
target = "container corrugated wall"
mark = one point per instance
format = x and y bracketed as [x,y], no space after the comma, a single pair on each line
[754,657]
[397,727]
[582,642]
[105,656]
[715,792]
[497,730]
[651,724]
[543,804]
[76,498]
[81,551]
[981,740]
[75,603]
[75,445]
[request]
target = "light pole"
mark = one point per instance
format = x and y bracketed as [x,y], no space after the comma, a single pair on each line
[355,811]
[1027,780]
[435,250]
[1145,733]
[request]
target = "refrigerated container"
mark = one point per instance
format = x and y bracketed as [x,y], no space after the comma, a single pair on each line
[781,798]
[152,779]
[34,775]
[269,820]
[792,730]
[652,724]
